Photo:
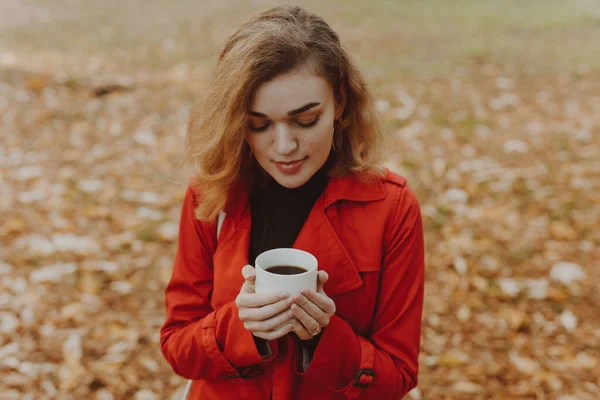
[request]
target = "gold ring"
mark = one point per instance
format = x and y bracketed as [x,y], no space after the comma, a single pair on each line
[315,332]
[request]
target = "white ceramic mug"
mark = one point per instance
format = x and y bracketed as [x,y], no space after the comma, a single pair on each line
[268,282]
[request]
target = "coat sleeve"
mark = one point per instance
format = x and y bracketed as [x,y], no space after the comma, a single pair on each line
[197,341]
[389,356]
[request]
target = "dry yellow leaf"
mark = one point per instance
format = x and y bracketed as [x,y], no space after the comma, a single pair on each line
[557,294]
[562,231]
[90,282]
[70,376]
[14,225]
[453,358]
[37,83]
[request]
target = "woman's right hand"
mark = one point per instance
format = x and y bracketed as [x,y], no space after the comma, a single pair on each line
[266,315]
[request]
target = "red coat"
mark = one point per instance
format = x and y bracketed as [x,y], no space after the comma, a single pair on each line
[369,239]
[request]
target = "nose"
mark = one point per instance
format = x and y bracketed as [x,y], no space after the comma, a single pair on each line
[285,142]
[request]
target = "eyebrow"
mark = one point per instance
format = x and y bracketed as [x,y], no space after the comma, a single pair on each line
[296,111]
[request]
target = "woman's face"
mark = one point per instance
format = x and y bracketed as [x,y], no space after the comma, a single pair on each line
[290,126]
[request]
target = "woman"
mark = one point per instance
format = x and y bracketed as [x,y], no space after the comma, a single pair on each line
[287,145]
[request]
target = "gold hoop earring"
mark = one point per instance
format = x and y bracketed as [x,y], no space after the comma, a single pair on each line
[250,154]
[334,143]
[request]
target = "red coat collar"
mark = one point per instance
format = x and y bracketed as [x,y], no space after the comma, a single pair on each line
[349,187]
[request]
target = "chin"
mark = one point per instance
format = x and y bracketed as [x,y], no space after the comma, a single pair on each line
[290,181]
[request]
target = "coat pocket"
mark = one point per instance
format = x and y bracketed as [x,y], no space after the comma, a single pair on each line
[357,306]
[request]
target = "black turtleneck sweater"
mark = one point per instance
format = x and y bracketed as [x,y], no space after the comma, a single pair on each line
[278,214]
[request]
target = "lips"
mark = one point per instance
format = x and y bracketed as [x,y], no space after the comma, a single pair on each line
[290,167]
[289,162]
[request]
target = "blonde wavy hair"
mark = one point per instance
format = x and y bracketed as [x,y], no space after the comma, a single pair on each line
[272,43]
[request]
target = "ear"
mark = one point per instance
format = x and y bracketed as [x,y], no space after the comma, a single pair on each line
[341,101]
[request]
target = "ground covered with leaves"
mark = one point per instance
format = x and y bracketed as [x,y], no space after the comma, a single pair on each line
[505,163]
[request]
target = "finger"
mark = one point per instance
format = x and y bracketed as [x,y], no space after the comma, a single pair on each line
[265,312]
[249,279]
[310,323]
[247,287]
[325,303]
[248,272]
[252,300]
[322,278]
[308,306]
[270,324]
[312,309]
[300,330]
[276,334]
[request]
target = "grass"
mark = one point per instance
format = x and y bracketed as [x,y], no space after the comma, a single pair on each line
[388,38]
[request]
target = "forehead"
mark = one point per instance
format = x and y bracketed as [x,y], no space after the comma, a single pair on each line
[289,91]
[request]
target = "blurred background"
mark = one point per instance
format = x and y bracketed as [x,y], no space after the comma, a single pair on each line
[494,111]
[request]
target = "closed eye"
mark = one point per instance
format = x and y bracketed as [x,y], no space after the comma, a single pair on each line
[260,128]
[309,124]
[300,124]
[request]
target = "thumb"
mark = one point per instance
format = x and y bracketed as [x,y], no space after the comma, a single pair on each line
[322,278]
[249,278]
[248,273]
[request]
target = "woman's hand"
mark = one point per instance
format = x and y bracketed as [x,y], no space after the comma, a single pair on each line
[267,315]
[312,310]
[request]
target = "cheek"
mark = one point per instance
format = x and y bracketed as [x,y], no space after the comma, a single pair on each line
[321,139]
[325,143]
[255,144]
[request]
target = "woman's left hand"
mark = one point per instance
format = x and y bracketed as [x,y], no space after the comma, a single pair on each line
[312,310]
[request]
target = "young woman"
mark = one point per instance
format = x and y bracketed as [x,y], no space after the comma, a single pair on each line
[286,144]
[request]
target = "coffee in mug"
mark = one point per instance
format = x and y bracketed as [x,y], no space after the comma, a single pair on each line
[285,270]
